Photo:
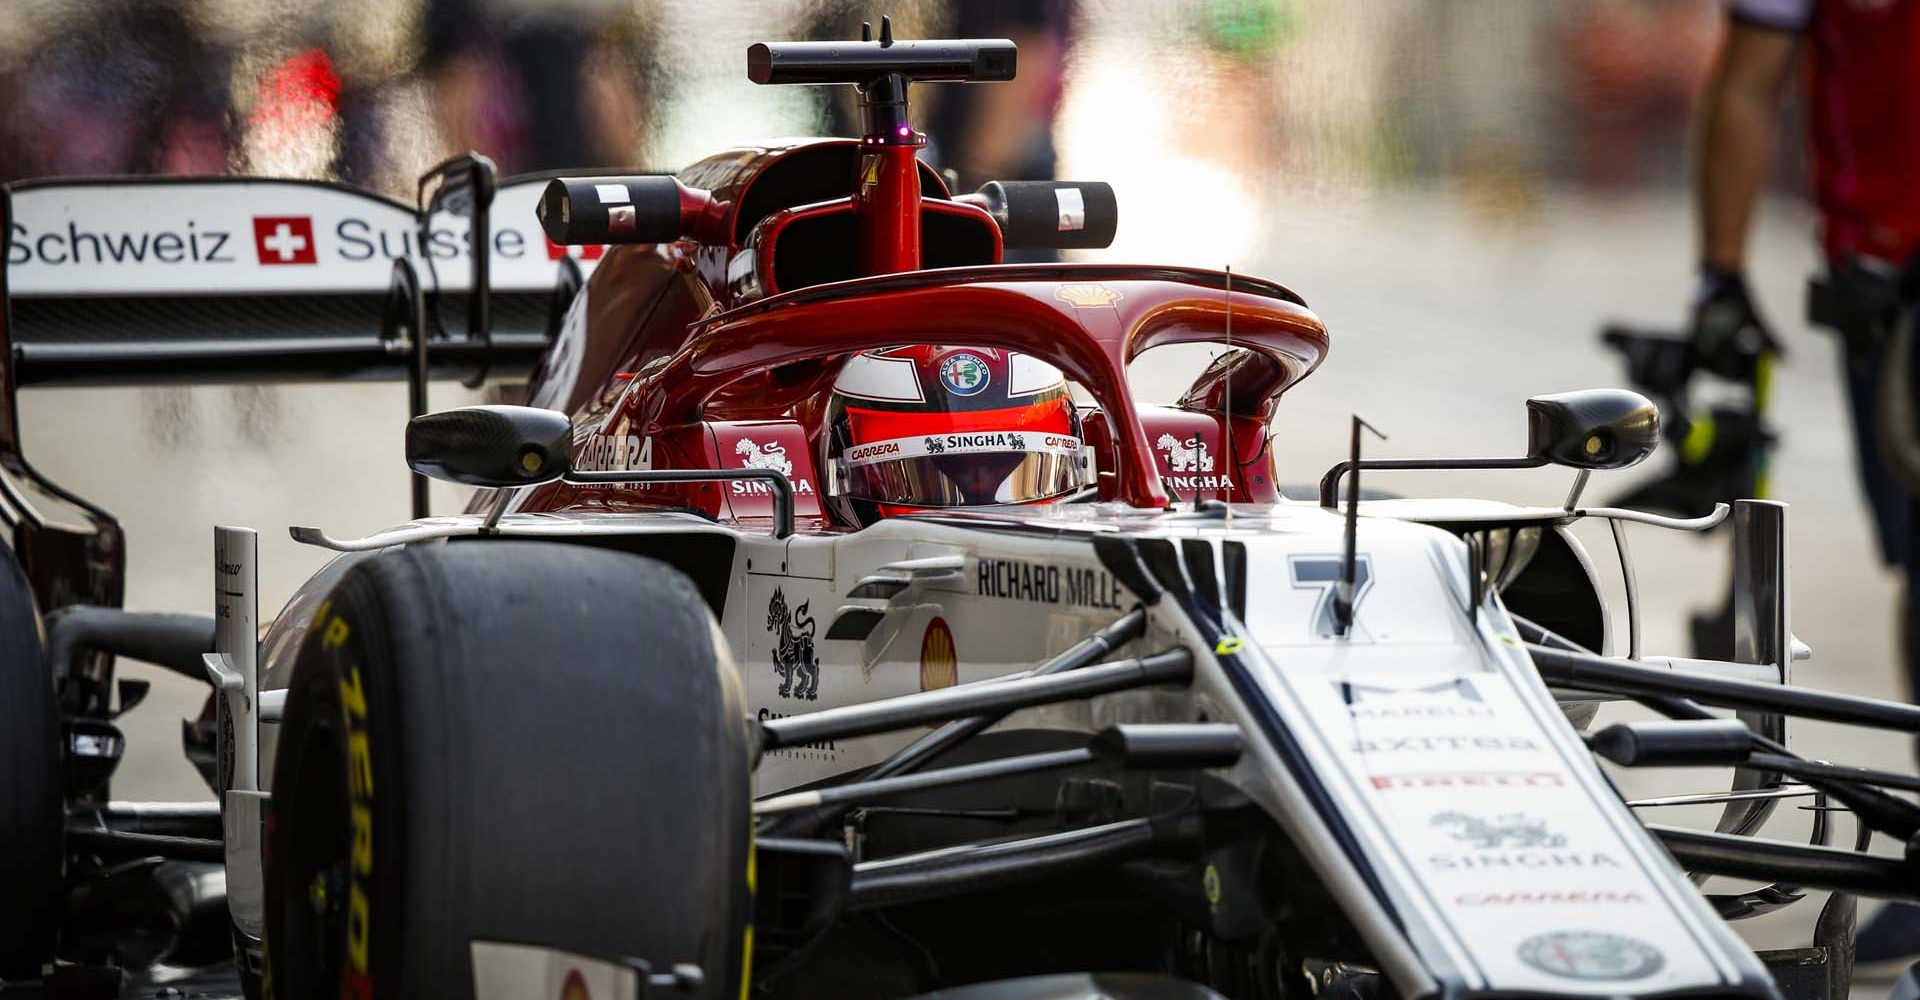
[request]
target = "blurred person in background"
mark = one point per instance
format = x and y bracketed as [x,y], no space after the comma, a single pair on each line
[118,87]
[999,133]
[1864,117]
[1633,70]
[1005,132]
[539,84]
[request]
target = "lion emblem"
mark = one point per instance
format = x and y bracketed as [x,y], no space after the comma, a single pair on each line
[1190,455]
[793,657]
[1507,830]
[772,455]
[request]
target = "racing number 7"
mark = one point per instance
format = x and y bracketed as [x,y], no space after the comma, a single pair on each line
[1322,573]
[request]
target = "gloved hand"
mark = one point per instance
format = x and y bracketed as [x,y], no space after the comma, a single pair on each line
[1726,334]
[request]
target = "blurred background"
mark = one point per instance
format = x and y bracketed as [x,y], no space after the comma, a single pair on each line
[1465,190]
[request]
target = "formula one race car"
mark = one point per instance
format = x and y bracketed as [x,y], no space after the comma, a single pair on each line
[833,621]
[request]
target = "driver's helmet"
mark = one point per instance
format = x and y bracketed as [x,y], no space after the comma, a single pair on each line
[912,428]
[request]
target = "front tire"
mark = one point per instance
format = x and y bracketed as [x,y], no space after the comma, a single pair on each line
[514,742]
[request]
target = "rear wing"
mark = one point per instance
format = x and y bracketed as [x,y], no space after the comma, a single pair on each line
[151,280]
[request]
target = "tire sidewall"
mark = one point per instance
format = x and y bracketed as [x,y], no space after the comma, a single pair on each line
[342,702]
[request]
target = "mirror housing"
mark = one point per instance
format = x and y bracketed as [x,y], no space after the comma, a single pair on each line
[604,209]
[1592,428]
[1050,215]
[498,446]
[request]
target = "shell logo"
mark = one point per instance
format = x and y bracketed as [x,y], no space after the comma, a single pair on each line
[575,987]
[939,664]
[1086,296]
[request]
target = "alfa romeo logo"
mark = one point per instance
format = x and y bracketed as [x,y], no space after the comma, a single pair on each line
[1591,955]
[964,374]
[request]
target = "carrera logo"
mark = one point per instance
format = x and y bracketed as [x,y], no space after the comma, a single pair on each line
[1521,859]
[1551,897]
[613,453]
[864,452]
[1060,443]
[284,239]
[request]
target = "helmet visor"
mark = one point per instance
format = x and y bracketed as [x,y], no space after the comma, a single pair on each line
[962,469]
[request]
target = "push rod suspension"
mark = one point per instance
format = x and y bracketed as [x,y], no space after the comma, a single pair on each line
[1875,808]
[1598,673]
[1802,865]
[1141,746]
[880,788]
[977,867]
[1174,666]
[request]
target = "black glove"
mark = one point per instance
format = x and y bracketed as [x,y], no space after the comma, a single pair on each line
[1726,335]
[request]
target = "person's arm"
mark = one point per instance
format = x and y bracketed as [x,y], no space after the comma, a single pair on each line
[1740,103]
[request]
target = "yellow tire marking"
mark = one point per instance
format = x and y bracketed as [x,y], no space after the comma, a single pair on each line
[746,949]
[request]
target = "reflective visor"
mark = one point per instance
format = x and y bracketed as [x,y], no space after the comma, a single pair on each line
[1012,455]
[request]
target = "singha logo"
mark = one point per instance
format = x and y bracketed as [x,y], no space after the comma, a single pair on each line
[1190,455]
[1505,830]
[935,446]
[793,657]
[772,455]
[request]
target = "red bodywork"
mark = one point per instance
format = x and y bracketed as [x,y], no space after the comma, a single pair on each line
[683,351]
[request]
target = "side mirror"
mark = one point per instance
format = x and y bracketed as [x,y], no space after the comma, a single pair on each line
[497,446]
[643,208]
[1050,215]
[1589,429]
[1592,428]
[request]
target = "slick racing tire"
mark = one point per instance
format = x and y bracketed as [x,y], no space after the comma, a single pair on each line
[32,807]
[492,744]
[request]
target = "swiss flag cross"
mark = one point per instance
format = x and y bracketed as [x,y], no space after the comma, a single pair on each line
[590,252]
[284,239]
